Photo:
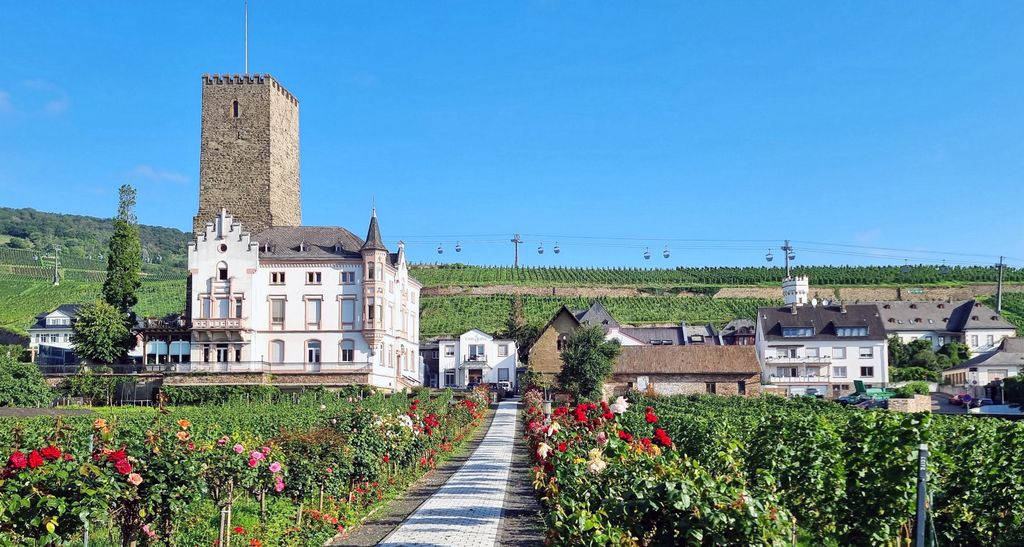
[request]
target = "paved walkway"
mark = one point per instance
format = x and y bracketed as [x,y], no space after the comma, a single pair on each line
[467,510]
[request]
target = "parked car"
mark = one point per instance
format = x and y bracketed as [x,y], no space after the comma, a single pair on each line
[981,402]
[869,404]
[850,399]
[957,399]
[505,386]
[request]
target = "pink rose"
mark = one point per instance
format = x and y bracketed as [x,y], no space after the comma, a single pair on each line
[253,463]
[238,449]
[256,455]
[265,450]
[275,467]
[222,441]
[279,487]
[602,438]
[135,479]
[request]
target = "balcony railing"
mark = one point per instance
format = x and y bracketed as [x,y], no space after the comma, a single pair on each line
[823,360]
[234,323]
[805,379]
[478,357]
[263,366]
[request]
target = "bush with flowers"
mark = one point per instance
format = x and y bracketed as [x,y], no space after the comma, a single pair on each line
[608,475]
[285,473]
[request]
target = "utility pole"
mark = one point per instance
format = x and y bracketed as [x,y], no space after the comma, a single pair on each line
[56,265]
[787,253]
[999,286]
[516,241]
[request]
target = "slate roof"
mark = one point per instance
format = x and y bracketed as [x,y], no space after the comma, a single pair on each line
[648,334]
[1010,353]
[739,326]
[953,316]
[596,314]
[373,239]
[705,331]
[823,319]
[70,310]
[318,242]
[688,360]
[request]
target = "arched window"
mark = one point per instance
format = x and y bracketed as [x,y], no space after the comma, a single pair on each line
[348,351]
[222,271]
[563,339]
[313,351]
[234,109]
[277,351]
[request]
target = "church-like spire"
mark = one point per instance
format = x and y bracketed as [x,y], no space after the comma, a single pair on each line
[373,240]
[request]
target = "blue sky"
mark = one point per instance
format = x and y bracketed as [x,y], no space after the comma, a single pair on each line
[877,124]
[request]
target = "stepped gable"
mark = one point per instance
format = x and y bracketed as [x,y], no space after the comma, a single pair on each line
[308,242]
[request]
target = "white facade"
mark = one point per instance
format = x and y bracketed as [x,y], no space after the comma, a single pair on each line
[978,326]
[821,350]
[319,305]
[476,357]
[795,290]
[52,329]
[824,367]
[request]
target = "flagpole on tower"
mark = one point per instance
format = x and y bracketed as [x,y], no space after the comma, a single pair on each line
[246,36]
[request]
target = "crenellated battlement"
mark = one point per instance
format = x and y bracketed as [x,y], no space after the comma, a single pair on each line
[249,79]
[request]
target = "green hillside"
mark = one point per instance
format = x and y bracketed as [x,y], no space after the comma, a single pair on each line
[457,314]
[81,237]
[21,299]
[447,275]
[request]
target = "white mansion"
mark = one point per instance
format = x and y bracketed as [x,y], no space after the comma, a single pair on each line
[294,300]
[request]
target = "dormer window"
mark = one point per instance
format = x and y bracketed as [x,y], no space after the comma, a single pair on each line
[851,331]
[797,332]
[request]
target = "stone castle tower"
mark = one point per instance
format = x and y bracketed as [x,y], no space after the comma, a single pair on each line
[249,154]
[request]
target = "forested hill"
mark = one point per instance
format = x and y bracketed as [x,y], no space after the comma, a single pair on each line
[84,236]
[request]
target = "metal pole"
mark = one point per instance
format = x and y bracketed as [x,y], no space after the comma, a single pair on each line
[922,494]
[999,287]
[516,241]
[85,533]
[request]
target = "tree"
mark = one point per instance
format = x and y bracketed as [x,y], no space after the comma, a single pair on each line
[124,256]
[100,334]
[958,352]
[21,384]
[587,361]
[516,328]
[898,352]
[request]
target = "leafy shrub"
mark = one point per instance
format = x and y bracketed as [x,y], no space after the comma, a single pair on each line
[21,384]
[912,388]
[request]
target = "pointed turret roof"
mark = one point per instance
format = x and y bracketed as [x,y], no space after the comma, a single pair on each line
[373,240]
